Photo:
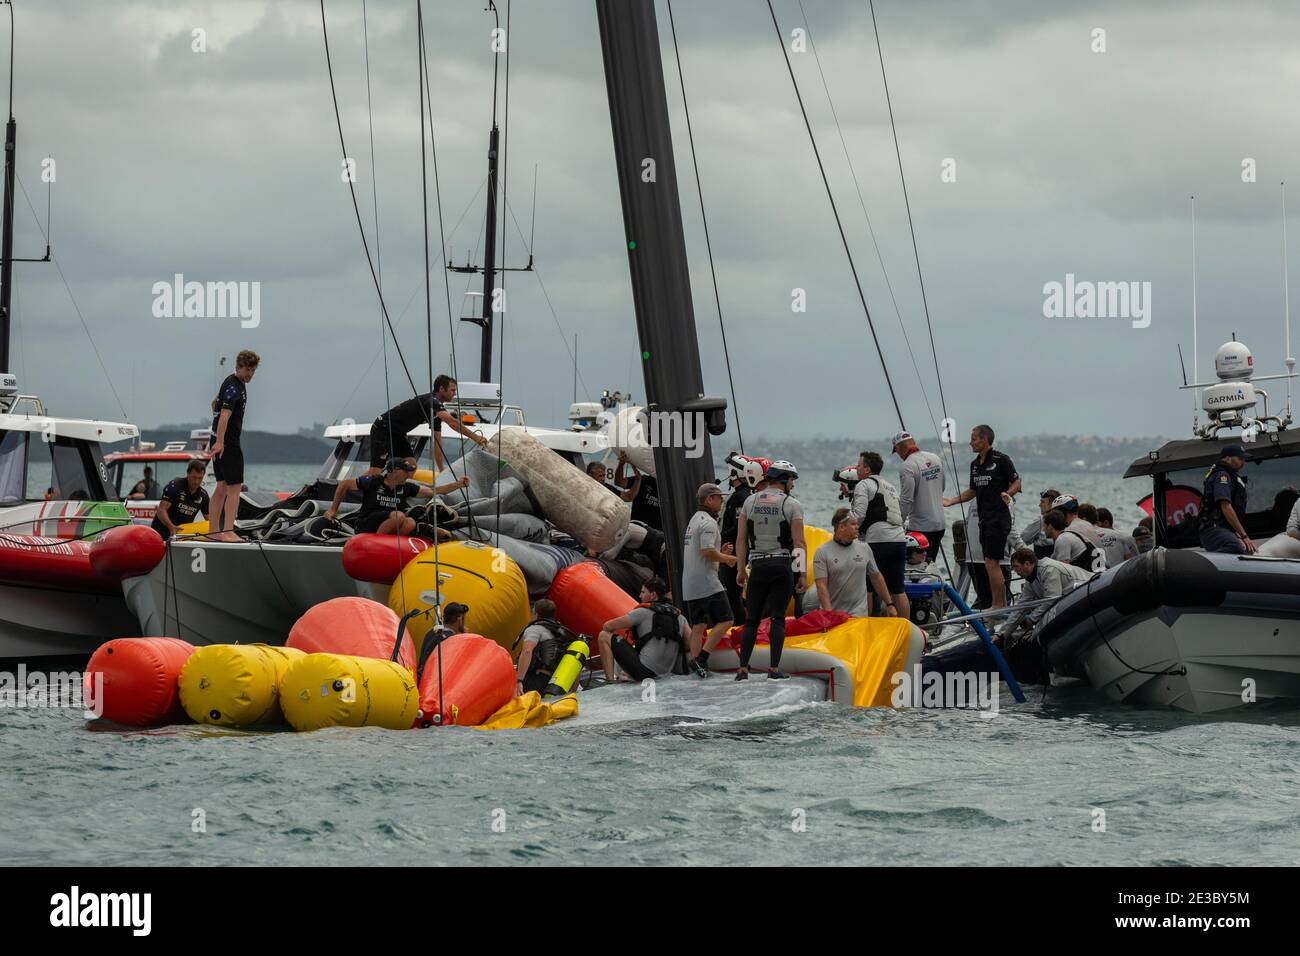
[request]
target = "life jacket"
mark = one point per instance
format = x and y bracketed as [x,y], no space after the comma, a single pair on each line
[769,545]
[883,506]
[1091,558]
[663,623]
[1210,514]
[549,651]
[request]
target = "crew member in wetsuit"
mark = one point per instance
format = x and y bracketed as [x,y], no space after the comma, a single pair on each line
[660,637]
[771,556]
[743,474]
[385,497]
[227,455]
[182,501]
[544,642]
[1223,505]
[388,433]
[994,484]
[453,622]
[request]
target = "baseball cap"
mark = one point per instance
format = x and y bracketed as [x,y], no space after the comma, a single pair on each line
[455,608]
[899,437]
[706,489]
[1234,451]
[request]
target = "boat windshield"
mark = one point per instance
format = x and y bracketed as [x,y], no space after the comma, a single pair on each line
[33,468]
[131,483]
[13,456]
[1272,483]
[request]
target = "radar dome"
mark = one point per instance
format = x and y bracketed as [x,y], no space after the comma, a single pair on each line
[1233,361]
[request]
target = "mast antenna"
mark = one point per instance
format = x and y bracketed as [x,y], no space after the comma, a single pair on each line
[1286,298]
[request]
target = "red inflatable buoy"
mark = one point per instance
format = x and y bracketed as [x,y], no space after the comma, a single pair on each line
[126,552]
[139,680]
[356,626]
[585,599]
[478,679]
[379,558]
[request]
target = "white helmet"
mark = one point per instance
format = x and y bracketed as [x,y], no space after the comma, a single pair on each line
[1066,503]
[782,470]
[753,472]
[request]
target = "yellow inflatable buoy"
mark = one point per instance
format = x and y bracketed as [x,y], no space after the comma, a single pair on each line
[193,527]
[235,685]
[335,690]
[478,575]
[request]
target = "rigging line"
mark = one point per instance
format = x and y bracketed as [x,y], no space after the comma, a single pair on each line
[464,212]
[934,351]
[77,308]
[857,186]
[780,39]
[437,196]
[708,245]
[505,234]
[356,207]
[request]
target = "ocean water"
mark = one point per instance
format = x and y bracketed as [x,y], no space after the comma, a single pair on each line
[709,772]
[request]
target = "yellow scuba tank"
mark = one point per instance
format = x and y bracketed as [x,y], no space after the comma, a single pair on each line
[566,672]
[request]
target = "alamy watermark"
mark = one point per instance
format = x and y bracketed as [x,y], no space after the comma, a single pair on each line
[58,690]
[1084,299]
[977,689]
[657,429]
[179,299]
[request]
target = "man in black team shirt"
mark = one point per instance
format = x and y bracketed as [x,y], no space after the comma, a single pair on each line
[994,483]
[388,433]
[384,498]
[227,455]
[182,501]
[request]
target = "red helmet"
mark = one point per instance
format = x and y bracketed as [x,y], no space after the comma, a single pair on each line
[917,540]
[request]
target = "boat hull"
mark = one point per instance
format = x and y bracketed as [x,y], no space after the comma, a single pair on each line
[214,592]
[1183,630]
[40,624]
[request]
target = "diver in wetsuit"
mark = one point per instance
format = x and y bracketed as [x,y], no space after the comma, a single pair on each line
[772,557]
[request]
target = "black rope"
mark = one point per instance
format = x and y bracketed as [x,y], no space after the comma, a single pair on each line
[780,39]
[934,351]
[356,206]
[708,245]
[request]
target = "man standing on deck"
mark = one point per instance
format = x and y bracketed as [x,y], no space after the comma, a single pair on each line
[1223,505]
[388,433]
[227,455]
[877,510]
[843,567]
[920,492]
[743,474]
[706,604]
[994,484]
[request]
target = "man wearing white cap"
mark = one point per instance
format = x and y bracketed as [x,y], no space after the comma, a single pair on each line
[920,491]
[707,605]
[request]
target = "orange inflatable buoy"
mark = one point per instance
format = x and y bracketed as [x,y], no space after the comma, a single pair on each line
[127,551]
[356,626]
[585,598]
[133,680]
[478,679]
[379,558]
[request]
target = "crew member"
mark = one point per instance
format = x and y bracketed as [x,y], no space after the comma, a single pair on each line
[182,501]
[453,622]
[227,455]
[843,566]
[877,508]
[385,497]
[660,635]
[920,491]
[994,484]
[645,493]
[1119,546]
[1069,545]
[388,433]
[145,488]
[769,536]
[743,474]
[544,642]
[1286,544]
[1223,505]
[1143,539]
[707,607]
[1032,533]
[1044,578]
[598,471]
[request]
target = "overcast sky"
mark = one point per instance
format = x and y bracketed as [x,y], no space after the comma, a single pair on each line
[225,165]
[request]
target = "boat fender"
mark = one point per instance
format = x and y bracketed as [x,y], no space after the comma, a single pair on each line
[133,680]
[338,690]
[235,685]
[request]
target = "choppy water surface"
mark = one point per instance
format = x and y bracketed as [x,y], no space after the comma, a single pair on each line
[633,783]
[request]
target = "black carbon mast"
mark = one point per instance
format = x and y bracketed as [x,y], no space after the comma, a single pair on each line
[656,255]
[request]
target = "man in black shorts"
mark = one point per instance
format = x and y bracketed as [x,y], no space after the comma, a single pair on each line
[385,497]
[388,433]
[994,484]
[707,606]
[227,454]
[182,501]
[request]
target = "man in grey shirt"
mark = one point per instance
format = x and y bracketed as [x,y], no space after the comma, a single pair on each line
[1119,547]
[660,634]
[920,491]
[843,566]
[705,597]
[1045,578]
